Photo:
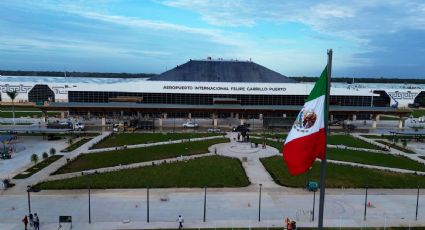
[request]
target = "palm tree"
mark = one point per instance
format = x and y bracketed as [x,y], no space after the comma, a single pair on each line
[12,95]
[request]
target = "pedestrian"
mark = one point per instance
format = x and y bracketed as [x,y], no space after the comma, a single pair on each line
[180,220]
[31,220]
[36,222]
[25,221]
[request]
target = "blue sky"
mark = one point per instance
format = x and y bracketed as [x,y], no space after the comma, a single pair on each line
[371,38]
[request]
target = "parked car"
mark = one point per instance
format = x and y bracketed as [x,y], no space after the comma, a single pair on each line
[190,124]
[214,130]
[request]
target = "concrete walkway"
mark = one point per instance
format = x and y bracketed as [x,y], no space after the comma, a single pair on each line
[250,158]
[21,185]
[412,156]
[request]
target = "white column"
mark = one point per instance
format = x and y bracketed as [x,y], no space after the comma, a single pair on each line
[378,117]
[374,122]
[242,121]
[354,117]
[237,115]
[164,115]
[62,115]
[401,123]
[332,118]
[215,120]
[260,116]
[189,116]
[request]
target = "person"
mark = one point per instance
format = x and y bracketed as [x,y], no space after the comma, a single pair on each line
[36,222]
[31,220]
[25,221]
[180,220]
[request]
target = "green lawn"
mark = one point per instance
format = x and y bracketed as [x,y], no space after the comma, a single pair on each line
[9,114]
[18,108]
[342,176]
[418,112]
[389,118]
[211,171]
[129,156]
[39,166]
[363,157]
[76,145]
[144,138]
[395,146]
[346,140]
[379,159]
[271,135]
[350,141]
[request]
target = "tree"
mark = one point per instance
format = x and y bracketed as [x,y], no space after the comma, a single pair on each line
[45,155]
[52,151]
[13,94]
[34,158]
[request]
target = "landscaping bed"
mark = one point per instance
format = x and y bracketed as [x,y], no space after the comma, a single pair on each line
[338,176]
[395,146]
[135,155]
[39,166]
[345,140]
[76,145]
[211,171]
[122,139]
[363,157]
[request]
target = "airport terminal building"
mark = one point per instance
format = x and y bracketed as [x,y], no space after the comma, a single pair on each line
[206,89]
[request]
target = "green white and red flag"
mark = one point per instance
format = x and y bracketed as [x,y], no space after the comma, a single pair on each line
[307,139]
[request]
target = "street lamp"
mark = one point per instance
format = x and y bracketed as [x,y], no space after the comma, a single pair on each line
[29,189]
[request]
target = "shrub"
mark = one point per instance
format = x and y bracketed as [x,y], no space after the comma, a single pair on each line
[45,155]
[34,158]
[52,151]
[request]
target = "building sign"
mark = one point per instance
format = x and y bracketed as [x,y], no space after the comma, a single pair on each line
[223,88]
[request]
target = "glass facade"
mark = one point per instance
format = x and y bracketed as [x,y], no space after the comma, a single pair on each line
[41,93]
[208,99]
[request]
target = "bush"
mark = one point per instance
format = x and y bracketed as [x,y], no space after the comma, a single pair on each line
[45,155]
[34,158]
[52,151]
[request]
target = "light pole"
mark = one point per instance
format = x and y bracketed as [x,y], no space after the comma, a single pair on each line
[314,202]
[259,205]
[205,202]
[29,199]
[147,204]
[417,204]
[89,206]
[365,204]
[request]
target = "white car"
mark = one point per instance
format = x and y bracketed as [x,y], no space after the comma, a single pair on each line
[214,130]
[190,124]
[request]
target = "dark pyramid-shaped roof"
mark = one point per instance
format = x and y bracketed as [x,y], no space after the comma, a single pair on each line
[222,71]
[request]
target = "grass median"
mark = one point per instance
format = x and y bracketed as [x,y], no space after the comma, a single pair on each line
[346,140]
[144,138]
[129,156]
[211,171]
[364,157]
[76,145]
[9,114]
[342,176]
[39,166]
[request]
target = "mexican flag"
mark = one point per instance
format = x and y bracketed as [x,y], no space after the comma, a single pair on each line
[307,139]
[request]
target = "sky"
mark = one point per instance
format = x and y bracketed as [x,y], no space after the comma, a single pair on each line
[373,38]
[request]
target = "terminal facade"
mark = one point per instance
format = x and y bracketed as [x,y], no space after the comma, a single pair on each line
[206,89]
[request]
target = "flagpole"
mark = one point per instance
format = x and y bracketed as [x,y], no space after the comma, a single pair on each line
[323,163]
